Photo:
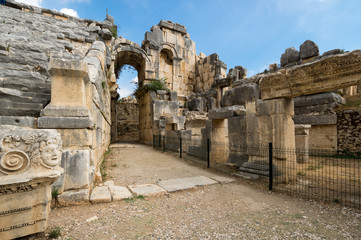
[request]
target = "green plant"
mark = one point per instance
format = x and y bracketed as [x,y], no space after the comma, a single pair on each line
[55,233]
[134,198]
[104,84]
[314,167]
[154,85]
[115,31]
[114,165]
[8,48]
[265,71]
[300,173]
[54,195]
[342,50]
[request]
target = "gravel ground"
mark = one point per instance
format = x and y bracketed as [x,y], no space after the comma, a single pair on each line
[237,210]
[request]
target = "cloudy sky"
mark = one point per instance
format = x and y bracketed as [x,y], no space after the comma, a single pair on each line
[252,34]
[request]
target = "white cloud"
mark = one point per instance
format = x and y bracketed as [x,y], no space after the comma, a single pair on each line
[70,12]
[36,3]
[134,80]
[124,92]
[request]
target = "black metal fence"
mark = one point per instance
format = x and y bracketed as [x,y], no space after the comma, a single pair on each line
[323,175]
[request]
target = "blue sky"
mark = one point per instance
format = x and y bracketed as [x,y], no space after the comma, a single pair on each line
[252,34]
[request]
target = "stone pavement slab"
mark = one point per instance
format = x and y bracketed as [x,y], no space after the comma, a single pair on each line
[222,179]
[147,189]
[119,193]
[179,184]
[100,195]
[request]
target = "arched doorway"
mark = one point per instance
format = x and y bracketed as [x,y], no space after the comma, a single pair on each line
[127,55]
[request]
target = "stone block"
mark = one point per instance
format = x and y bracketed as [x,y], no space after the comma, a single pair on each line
[308,49]
[77,168]
[100,195]
[180,184]
[197,104]
[226,112]
[291,55]
[315,119]
[237,124]
[274,106]
[173,96]
[318,99]
[76,137]
[119,193]
[65,122]
[240,95]
[18,121]
[67,67]
[147,189]
[74,197]
[65,111]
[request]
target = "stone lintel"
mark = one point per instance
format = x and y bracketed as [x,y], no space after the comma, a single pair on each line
[302,129]
[67,67]
[315,119]
[326,74]
[65,122]
[226,112]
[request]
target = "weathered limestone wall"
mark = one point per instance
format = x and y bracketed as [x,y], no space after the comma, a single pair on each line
[127,121]
[172,55]
[349,131]
[208,70]
[30,37]
[54,75]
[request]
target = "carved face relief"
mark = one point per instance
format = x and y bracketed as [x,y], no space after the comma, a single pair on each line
[51,155]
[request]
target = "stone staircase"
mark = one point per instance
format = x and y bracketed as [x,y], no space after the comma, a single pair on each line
[255,169]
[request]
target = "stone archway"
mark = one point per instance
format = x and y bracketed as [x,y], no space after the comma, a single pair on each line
[126,52]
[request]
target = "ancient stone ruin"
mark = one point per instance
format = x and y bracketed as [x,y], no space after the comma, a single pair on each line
[58,97]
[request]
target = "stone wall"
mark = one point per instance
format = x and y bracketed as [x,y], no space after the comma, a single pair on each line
[172,55]
[127,121]
[349,131]
[54,75]
[208,70]
[30,37]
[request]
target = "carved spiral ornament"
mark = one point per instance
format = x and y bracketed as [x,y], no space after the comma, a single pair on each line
[14,162]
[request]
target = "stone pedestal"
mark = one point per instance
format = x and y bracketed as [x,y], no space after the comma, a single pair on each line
[70,96]
[302,132]
[29,164]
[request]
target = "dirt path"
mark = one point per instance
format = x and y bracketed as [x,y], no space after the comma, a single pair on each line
[222,211]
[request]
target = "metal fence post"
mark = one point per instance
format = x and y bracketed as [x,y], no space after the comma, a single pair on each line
[159,141]
[270,152]
[180,147]
[153,141]
[163,143]
[208,148]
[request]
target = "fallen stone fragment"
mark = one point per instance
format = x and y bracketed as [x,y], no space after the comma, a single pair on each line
[92,219]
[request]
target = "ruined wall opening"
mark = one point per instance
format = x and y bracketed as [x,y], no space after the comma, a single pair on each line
[166,67]
[129,68]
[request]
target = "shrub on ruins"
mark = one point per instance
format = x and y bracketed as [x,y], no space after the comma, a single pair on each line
[154,85]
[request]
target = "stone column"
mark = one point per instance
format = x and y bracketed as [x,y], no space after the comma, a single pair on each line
[70,96]
[302,133]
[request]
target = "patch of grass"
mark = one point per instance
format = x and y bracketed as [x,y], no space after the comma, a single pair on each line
[300,173]
[134,198]
[104,84]
[314,166]
[8,48]
[54,195]
[55,233]
[114,165]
